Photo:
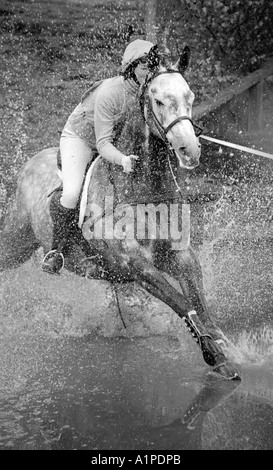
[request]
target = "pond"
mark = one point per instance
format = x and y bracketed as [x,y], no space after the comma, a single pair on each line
[63,392]
[122,394]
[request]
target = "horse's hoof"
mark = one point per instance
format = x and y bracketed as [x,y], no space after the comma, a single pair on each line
[226,371]
[211,351]
[214,356]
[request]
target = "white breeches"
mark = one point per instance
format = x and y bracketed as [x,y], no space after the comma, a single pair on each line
[75,155]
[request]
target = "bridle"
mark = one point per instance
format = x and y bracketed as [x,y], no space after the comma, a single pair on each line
[163,131]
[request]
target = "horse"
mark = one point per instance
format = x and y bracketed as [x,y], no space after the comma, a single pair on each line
[160,130]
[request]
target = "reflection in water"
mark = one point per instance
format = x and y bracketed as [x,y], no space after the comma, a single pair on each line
[186,431]
[125,394]
[247,424]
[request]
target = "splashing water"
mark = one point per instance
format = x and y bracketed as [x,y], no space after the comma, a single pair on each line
[251,347]
[242,213]
[237,272]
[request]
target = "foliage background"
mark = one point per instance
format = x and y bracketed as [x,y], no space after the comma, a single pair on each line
[50,51]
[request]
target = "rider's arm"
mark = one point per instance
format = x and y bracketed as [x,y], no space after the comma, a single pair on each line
[105,110]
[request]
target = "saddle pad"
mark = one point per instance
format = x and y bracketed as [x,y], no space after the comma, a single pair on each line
[84,194]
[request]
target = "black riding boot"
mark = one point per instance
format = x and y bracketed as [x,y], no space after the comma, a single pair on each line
[64,225]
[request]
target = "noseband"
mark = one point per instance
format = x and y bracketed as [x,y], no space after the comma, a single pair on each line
[163,131]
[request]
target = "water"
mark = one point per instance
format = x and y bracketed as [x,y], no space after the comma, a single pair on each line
[63,392]
[63,389]
[100,394]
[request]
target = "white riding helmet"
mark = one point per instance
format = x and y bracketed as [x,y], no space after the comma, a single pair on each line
[135,50]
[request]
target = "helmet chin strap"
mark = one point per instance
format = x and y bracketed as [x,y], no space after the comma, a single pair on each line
[136,80]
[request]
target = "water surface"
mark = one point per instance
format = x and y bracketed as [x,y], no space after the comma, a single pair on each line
[117,394]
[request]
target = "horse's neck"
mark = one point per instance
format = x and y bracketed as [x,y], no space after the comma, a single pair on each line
[156,161]
[151,179]
[167,179]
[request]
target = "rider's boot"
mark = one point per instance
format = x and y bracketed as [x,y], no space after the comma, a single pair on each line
[64,225]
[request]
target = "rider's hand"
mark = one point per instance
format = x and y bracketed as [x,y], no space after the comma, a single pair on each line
[128,163]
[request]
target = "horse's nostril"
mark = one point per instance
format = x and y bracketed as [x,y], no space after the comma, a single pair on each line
[182,149]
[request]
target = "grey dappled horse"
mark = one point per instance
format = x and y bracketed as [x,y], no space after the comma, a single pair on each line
[160,131]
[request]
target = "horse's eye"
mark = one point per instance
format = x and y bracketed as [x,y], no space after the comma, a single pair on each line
[159,103]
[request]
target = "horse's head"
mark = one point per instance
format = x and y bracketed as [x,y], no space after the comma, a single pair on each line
[166,101]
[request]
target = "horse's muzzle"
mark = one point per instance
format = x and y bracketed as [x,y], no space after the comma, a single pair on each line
[188,160]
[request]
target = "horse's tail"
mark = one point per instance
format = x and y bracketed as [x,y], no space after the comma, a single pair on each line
[18,241]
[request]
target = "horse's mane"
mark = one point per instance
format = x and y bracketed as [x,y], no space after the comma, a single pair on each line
[132,137]
[152,151]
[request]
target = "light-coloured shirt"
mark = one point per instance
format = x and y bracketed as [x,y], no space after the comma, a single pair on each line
[102,108]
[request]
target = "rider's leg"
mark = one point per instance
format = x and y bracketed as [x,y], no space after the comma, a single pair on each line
[75,154]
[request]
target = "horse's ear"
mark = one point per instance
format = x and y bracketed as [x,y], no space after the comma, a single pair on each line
[153,57]
[184,60]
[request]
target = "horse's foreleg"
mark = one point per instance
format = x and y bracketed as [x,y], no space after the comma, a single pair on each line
[154,282]
[151,279]
[187,270]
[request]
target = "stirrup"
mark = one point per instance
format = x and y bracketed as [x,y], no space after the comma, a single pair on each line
[53,262]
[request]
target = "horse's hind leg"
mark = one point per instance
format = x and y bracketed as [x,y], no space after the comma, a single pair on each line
[18,241]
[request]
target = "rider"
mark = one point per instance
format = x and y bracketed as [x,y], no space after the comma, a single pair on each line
[91,129]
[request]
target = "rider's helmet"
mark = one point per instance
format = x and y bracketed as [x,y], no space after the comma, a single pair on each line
[134,51]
